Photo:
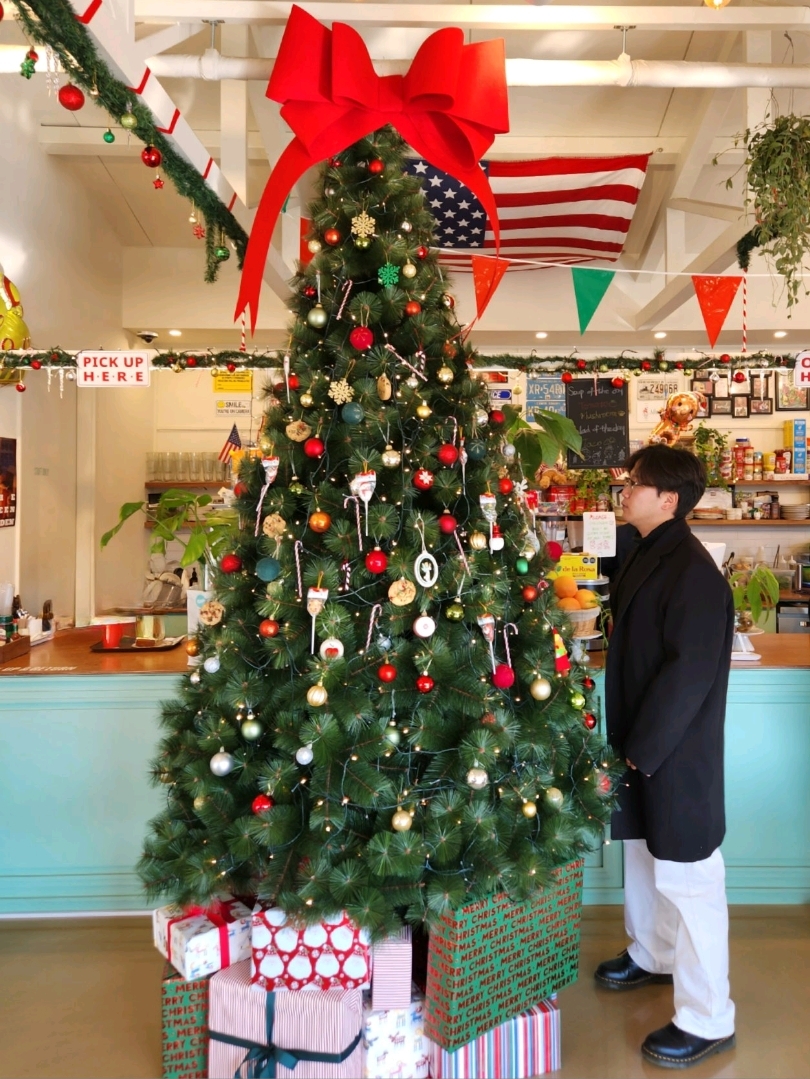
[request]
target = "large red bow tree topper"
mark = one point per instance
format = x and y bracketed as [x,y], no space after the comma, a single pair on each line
[448,106]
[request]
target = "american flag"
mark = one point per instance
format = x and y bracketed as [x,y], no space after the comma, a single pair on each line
[234,442]
[556,209]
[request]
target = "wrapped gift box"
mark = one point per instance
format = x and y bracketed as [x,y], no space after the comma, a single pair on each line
[198,942]
[394,1040]
[295,1035]
[334,954]
[392,969]
[184,1020]
[524,1046]
[494,959]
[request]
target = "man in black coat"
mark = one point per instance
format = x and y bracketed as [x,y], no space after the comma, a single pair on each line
[666,680]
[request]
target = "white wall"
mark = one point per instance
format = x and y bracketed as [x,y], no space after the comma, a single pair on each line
[9,537]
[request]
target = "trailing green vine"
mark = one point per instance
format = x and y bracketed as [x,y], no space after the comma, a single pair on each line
[53,23]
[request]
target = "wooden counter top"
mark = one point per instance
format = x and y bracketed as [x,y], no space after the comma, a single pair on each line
[69,653]
[778,651]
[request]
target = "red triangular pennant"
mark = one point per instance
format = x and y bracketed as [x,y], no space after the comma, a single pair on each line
[487,274]
[715,296]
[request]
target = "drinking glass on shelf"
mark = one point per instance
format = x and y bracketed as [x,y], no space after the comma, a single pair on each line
[152,466]
[183,470]
[194,466]
[172,465]
[163,466]
[209,466]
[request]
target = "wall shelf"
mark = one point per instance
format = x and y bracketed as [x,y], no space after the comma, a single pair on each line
[724,523]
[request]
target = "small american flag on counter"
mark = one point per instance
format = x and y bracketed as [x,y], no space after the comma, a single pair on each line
[558,209]
[233,442]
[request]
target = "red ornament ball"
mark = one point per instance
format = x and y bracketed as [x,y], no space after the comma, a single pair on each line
[387,672]
[423,479]
[447,455]
[497,416]
[230,563]
[588,682]
[376,561]
[335,162]
[530,593]
[231,367]
[645,365]
[413,307]
[70,97]
[424,683]
[35,365]
[361,338]
[503,676]
[261,803]
[151,156]
[618,382]
[679,366]
[554,550]
[375,166]
[240,489]
[567,377]
[739,376]
[332,237]
[191,361]
[310,291]
[314,447]
[505,485]
[294,382]
[421,252]
[269,627]
[20,387]
[589,720]
[582,365]
[725,358]
[448,524]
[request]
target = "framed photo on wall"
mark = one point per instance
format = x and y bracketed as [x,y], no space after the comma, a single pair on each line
[721,388]
[704,386]
[760,386]
[788,397]
[703,409]
[720,406]
[761,406]
[741,407]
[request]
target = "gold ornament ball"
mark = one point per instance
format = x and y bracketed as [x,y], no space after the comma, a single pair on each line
[477,778]
[445,375]
[307,400]
[540,689]
[423,411]
[391,457]
[401,821]
[192,647]
[314,247]
[454,613]
[409,270]
[266,445]
[529,810]
[362,241]
[555,797]
[478,541]
[320,521]
[317,696]
[199,802]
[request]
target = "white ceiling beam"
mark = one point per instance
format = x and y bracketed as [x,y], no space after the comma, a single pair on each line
[720,211]
[233,115]
[483,16]
[717,257]
[166,38]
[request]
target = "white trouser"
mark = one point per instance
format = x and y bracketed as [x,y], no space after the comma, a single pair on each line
[676,916]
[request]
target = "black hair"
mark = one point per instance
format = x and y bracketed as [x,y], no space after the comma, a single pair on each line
[669,469]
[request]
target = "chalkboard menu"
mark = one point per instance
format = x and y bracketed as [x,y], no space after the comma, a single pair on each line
[600,414]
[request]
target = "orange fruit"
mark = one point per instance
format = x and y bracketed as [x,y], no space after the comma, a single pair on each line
[568,603]
[565,587]
[587,598]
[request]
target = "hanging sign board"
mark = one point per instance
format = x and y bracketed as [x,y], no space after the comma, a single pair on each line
[233,406]
[100,368]
[801,372]
[232,382]
[599,412]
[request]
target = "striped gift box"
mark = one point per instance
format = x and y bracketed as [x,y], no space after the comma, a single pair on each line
[313,1024]
[525,1046]
[392,965]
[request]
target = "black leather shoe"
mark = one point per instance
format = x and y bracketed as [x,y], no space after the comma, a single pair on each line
[671,1047]
[624,973]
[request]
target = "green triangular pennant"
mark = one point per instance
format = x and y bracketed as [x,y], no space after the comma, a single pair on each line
[589,288]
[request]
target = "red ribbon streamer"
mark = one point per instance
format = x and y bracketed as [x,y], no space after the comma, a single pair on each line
[448,107]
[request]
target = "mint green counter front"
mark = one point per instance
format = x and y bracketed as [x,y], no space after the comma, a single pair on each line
[78,729]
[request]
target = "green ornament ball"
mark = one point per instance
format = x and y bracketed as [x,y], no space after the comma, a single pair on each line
[108,137]
[577,700]
[297,488]
[352,412]
[476,450]
[522,565]
[454,613]
[221,253]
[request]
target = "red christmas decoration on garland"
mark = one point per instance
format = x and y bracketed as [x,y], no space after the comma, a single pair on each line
[35,364]
[530,593]
[567,377]
[151,156]
[423,479]
[421,252]
[589,719]
[618,382]
[413,307]
[332,237]
[20,387]
[740,376]
[70,97]
[497,417]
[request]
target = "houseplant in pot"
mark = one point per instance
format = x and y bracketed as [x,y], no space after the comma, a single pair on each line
[754,592]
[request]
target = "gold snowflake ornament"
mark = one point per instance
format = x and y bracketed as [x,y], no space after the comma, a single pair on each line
[340,391]
[363,225]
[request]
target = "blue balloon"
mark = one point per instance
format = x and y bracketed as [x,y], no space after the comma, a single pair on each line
[267,569]
[352,412]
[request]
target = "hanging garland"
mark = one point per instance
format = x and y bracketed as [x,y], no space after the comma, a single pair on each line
[226,359]
[53,23]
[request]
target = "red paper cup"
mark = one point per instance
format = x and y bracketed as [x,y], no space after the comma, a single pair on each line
[111,634]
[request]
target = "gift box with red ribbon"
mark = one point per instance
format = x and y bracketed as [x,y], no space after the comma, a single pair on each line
[334,954]
[202,940]
[280,1035]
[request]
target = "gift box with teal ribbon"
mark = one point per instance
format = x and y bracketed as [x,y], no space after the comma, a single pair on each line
[284,1035]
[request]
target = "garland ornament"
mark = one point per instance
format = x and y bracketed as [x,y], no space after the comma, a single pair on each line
[448,107]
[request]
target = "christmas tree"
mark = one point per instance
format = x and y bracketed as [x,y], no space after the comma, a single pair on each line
[385,720]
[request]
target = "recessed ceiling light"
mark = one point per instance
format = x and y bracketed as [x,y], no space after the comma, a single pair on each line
[660,335]
[541,335]
[781,333]
[175,333]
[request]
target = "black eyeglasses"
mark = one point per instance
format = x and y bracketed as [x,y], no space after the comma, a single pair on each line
[631,483]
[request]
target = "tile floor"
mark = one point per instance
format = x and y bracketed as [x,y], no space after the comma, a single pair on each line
[81,999]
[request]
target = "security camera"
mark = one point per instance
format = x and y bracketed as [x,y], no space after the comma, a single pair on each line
[147,336]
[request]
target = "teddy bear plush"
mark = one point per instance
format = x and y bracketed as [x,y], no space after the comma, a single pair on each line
[676,416]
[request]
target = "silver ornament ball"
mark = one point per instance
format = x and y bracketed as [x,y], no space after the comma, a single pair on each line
[555,797]
[194,678]
[252,730]
[509,450]
[212,664]
[304,755]
[481,417]
[406,226]
[222,763]
[391,457]
[477,778]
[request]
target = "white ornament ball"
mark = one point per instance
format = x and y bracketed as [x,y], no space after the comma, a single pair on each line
[424,626]
[401,821]
[331,648]
[496,543]
[393,736]
[555,797]
[406,226]
[409,270]
[540,689]
[509,450]
[477,778]
[304,755]
[212,664]
[314,246]
[222,763]
[194,678]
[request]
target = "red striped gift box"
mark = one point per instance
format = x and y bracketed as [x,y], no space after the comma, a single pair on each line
[391,971]
[525,1046]
[299,1025]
